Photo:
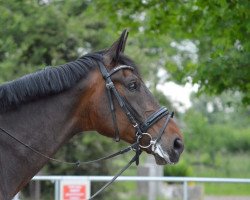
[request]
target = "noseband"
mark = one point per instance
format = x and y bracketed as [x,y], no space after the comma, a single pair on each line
[140,127]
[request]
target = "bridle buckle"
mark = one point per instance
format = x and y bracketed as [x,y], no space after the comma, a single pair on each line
[135,125]
[110,85]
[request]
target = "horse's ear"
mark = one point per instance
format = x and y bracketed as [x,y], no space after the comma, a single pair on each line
[111,56]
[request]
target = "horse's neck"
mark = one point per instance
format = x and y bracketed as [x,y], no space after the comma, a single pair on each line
[48,121]
[44,125]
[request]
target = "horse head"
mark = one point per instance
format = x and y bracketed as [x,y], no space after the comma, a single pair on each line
[118,91]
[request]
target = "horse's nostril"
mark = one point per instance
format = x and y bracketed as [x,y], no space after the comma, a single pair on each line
[178,145]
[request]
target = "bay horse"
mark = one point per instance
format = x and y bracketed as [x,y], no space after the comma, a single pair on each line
[101,91]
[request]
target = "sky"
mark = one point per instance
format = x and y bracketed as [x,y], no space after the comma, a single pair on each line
[179,95]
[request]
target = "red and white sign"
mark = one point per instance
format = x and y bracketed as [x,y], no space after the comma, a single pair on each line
[74,190]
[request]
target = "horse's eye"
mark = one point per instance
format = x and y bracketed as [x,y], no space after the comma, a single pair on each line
[132,86]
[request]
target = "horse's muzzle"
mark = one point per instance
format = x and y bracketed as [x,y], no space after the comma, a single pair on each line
[165,156]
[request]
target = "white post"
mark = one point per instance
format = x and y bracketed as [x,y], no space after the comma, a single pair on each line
[185,190]
[150,189]
[57,189]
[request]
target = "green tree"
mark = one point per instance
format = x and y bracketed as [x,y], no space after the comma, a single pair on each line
[35,35]
[217,30]
[213,127]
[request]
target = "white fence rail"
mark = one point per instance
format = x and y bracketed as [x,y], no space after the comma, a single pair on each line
[184,180]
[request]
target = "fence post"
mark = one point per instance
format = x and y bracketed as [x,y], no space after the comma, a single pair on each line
[150,189]
[57,189]
[185,190]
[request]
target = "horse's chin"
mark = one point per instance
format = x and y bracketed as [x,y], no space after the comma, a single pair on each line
[161,161]
[163,157]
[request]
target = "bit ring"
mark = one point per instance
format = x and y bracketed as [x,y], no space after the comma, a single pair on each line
[150,143]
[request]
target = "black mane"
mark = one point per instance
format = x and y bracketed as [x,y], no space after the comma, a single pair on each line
[50,80]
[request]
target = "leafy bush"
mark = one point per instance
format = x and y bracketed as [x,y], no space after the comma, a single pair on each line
[239,141]
[180,169]
[200,136]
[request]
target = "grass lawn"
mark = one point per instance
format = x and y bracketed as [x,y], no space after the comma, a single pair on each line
[226,166]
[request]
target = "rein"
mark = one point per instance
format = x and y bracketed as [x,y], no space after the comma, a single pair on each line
[140,127]
[134,147]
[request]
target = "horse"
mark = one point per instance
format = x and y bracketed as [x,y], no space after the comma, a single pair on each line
[101,91]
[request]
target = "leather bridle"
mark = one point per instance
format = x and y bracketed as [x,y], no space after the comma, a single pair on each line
[140,127]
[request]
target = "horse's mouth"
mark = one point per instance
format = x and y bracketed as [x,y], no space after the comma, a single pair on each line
[162,157]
